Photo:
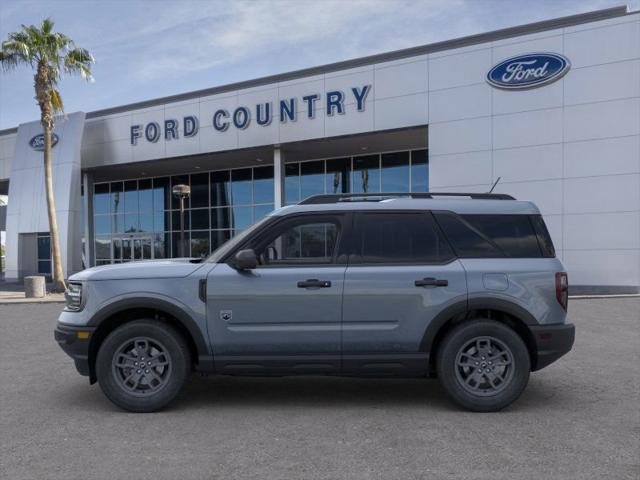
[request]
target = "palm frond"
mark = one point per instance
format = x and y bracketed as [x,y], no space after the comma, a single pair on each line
[56,101]
[79,61]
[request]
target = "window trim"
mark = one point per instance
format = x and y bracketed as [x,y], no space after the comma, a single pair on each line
[353,258]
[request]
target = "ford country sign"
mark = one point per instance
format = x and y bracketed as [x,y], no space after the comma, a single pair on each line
[37,142]
[528,71]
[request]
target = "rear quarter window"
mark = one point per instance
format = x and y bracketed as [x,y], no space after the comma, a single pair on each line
[497,236]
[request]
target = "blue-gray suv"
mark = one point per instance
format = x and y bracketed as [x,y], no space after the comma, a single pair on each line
[465,287]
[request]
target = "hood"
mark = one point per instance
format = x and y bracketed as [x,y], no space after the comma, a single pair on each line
[166,268]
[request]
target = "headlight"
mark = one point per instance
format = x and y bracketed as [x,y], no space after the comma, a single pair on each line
[73,296]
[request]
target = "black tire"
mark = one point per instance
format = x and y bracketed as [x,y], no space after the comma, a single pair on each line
[121,365]
[468,349]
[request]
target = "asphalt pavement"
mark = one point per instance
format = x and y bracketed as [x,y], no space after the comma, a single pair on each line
[578,418]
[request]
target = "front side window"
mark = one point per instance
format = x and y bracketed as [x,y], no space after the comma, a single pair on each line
[305,241]
[398,238]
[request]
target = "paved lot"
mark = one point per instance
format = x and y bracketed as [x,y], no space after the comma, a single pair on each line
[579,418]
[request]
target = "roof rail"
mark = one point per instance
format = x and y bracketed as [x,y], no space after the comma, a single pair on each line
[376,197]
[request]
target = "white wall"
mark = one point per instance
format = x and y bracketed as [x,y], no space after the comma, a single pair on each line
[7,151]
[572,146]
[27,206]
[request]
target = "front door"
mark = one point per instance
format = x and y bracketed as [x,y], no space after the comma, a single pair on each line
[285,315]
[401,274]
[132,248]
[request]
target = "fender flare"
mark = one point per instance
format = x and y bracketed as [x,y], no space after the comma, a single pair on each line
[465,306]
[178,312]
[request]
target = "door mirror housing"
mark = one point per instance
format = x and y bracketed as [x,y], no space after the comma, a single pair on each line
[245,260]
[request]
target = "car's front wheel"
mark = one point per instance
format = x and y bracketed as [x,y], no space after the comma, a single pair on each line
[483,365]
[142,365]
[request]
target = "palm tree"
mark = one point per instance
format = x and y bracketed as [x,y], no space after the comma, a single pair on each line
[50,55]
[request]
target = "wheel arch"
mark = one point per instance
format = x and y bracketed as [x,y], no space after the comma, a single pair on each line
[503,311]
[126,310]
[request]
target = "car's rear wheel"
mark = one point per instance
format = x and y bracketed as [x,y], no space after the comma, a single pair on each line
[483,365]
[142,365]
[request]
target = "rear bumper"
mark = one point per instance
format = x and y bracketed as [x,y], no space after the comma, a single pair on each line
[552,342]
[74,345]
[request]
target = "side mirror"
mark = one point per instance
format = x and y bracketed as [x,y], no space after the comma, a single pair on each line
[245,260]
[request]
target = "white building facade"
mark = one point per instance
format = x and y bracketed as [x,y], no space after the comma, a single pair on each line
[551,108]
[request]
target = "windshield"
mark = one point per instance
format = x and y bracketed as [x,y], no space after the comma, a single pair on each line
[230,244]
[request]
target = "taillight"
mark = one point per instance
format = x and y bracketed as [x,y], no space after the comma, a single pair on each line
[562,289]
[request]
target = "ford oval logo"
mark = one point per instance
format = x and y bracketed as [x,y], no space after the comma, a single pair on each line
[37,142]
[528,71]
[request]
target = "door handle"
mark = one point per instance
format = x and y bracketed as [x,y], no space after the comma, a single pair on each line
[431,282]
[313,282]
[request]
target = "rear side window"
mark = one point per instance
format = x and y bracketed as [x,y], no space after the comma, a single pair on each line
[399,238]
[495,236]
[544,239]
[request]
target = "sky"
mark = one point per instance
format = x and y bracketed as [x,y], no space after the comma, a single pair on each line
[150,49]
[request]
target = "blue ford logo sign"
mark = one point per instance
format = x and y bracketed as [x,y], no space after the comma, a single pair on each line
[37,142]
[528,71]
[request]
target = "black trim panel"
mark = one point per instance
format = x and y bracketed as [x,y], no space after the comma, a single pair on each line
[157,304]
[504,306]
[76,348]
[552,342]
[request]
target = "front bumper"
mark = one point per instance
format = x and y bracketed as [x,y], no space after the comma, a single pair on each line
[75,343]
[552,342]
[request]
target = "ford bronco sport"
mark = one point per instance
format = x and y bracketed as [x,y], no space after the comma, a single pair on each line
[465,287]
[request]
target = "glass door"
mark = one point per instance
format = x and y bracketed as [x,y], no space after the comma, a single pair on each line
[132,248]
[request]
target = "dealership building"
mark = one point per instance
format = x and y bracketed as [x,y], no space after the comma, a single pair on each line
[552,109]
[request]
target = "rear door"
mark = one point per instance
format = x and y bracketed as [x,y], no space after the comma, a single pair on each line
[401,274]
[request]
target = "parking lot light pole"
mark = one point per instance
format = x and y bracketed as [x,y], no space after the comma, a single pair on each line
[182,192]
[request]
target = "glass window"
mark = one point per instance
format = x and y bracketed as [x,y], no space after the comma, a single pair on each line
[44,247]
[103,247]
[366,174]
[117,249]
[261,211]
[179,180]
[199,244]
[131,203]
[400,238]
[175,245]
[311,242]
[311,179]
[241,191]
[544,239]
[161,194]
[44,267]
[467,241]
[220,189]
[513,234]
[292,183]
[101,199]
[146,222]
[221,218]
[420,171]
[175,220]
[200,190]
[117,223]
[102,224]
[145,195]
[218,237]
[131,222]
[160,221]
[337,176]
[161,245]
[117,198]
[395,172]
[200,219]
[242,217]
[263,186]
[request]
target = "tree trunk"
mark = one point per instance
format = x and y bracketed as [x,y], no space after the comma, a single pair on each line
[58,276]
